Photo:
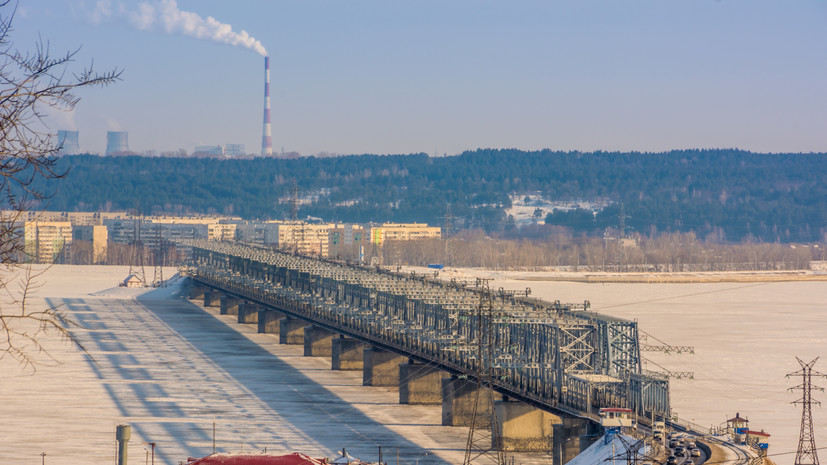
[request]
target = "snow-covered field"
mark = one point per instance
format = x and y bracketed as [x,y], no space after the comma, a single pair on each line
[745,335]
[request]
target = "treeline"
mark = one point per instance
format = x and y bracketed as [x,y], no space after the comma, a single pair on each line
[668,252]
[720,195]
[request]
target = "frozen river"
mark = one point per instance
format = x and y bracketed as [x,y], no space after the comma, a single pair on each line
[168,369]
[746,338]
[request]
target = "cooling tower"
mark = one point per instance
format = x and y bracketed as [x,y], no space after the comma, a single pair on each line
[116,142]
[67,142]
[266,138]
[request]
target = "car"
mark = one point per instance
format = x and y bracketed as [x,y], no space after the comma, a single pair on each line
[672,460]
[680,450]
[695,452]
[690,444]
[673,443]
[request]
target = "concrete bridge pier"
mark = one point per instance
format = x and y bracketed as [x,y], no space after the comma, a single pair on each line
[269,320]
[318,342]
[458,403]
[197,291]
[347,354]
[524,428]
[248,313]
[291,331]
[229,305]
[213,298]
[571,436]
[420,384]
[381,368]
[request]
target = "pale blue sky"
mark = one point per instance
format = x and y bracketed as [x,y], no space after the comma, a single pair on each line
[443,76]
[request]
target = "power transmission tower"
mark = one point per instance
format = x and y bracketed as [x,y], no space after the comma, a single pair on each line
[484,440]
[621,233]
[806,454]
[158,261]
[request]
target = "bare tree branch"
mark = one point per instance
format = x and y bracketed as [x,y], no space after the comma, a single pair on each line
[31,83]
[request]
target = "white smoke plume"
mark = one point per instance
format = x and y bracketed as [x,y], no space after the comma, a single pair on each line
[166,15]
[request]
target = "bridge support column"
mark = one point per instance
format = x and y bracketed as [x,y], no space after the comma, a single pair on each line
[420,384]
[291,331]
[197,291]
[213,298]
[458,403]
[381,368]
[347,354]
[318,342]
[568,435]
[248,313]
[269,320]
[229,305]
[525,428]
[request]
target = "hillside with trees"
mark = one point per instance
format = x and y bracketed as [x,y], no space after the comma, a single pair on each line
[719,195]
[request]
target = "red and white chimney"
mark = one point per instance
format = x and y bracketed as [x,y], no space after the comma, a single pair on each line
[267,137]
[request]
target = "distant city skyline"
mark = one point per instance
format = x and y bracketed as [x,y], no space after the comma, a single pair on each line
[444,77]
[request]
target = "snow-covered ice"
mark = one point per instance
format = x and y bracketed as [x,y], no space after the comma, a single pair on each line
[170,368]
[745,335]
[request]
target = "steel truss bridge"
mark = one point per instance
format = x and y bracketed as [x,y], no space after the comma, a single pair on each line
[559,357]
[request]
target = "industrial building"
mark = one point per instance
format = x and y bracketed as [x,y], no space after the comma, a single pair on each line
[234,150]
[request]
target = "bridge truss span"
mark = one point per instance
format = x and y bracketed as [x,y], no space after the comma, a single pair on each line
[559,357]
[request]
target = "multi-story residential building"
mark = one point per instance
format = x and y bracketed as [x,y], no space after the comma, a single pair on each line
[305,238]
[379,234]
[44,241]
[98,235]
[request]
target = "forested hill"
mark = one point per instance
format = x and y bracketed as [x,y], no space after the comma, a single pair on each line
[729,194]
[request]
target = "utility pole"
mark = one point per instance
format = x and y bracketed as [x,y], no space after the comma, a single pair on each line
[806,454]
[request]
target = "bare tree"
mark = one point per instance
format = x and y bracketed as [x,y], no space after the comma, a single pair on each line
[31,83]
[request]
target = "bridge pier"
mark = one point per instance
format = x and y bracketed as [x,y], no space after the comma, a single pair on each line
[524,428]
[197,291]
[420,384]
[570,437]
[212,298]
[291,331]
[229,305]
[269,320]
[347,354]
[381,368]
[318,342]
[248,313]
[458,403]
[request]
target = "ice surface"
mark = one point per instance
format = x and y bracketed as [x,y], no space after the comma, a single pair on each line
[746,337]
[170,369]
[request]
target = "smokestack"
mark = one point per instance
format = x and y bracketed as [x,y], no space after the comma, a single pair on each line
[266,137]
